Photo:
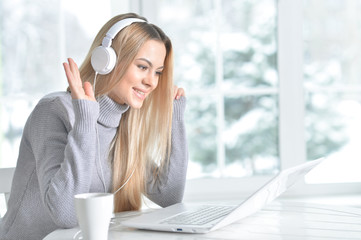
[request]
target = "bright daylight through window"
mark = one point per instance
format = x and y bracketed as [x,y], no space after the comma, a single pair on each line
[333,87]
[226,55]
[36,37]
[226,59]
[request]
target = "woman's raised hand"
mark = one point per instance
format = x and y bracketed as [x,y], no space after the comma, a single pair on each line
[178,92]
[78,90]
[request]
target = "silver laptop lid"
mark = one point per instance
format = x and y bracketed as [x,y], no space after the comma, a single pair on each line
[271,190]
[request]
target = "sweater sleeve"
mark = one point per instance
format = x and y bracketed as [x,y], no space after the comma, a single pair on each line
[169,186]
[64,154]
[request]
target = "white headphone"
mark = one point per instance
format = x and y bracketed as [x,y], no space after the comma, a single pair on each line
[103,58]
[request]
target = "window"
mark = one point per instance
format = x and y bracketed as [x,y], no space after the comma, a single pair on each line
[36,37]
[254,103]
[226,59]
[270,84]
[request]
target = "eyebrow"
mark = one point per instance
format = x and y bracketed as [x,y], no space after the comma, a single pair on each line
[149,62]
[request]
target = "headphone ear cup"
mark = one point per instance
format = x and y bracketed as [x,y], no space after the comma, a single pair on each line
[103,59]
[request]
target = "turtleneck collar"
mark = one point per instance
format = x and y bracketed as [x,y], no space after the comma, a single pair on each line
[110,112]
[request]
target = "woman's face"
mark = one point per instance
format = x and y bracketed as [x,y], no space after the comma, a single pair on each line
[142,75]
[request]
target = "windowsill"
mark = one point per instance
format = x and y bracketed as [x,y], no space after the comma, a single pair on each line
[336,200]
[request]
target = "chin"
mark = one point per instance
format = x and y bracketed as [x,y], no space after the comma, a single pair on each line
[136,105]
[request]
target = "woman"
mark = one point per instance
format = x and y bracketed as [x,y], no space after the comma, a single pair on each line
[125,127]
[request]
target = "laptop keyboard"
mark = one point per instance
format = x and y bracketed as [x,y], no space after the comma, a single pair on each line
[200,216]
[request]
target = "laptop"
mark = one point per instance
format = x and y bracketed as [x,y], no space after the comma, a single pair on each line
[203,218]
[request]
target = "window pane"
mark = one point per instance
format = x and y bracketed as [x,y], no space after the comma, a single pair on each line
[25,43]
[332,42]
[333,130]
[249,43]
[191,26]
[201,118]
[251,135]
[332,57]
[328,117]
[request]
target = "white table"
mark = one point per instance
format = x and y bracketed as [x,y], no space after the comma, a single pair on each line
[279,220]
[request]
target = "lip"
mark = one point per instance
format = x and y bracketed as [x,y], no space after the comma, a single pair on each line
[138,94]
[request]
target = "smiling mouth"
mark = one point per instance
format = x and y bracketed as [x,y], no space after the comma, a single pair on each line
[139,94]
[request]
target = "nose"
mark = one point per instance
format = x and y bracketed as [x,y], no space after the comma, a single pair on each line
[151,80]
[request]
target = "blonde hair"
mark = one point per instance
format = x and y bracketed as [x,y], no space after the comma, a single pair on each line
[143,137]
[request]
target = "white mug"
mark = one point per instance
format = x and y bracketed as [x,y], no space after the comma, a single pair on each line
[94,211]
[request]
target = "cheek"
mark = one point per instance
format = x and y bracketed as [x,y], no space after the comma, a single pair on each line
[156,83]
[126,83]
[122,90]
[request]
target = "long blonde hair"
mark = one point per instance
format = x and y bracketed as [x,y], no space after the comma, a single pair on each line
[143,137]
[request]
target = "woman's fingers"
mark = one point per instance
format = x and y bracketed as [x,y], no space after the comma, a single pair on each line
[178,92]
[75,70]
[75,83]
[68,73]
[88,89]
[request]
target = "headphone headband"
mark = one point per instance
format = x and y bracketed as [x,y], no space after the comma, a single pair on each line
[116,28]
[103,58]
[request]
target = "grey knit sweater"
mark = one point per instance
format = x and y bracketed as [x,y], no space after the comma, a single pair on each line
[58,159]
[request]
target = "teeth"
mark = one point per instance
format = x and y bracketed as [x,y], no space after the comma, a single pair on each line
[142,93]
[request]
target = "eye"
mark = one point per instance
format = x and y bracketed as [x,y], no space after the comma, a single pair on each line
[142,67]
[158,73]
